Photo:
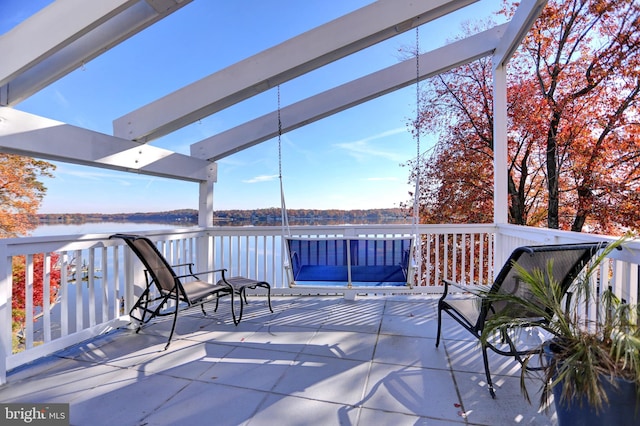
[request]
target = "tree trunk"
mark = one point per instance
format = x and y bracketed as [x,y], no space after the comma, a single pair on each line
[585,200]
[552,173]
[517,207]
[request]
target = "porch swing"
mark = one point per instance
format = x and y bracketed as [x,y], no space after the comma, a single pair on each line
[349,261]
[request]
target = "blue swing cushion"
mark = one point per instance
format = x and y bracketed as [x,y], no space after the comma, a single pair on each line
[369,261]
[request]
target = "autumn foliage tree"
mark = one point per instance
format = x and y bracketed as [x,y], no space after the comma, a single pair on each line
[20,193]
[43,268]
[574,137]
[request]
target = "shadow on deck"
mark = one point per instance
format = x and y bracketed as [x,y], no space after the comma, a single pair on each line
[316,360]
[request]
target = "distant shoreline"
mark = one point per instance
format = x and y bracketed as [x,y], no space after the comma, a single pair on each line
[264,217]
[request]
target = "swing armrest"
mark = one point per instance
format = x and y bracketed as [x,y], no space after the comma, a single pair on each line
[295,263]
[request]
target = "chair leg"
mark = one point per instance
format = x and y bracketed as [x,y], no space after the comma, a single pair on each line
[487,372]
[242,292]
[268,287]
[173,326]
[243,299]
[439,326]
[263,285]
[233,310]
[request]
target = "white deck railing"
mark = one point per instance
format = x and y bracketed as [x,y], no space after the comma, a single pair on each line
[99,278]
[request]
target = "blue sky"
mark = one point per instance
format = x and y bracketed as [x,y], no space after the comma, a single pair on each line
[351,160]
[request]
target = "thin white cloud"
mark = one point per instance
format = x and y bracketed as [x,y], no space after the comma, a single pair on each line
[231,162]
[379,179]
[263,178]
[98,176]
[362,149]
[62,100]
[85,174]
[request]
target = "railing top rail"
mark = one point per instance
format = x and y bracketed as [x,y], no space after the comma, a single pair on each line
[40,244]
[350,238]
[543,236]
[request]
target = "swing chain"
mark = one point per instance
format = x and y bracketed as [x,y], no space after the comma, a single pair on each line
[283,206]
[417,93]
[417,128]
[417,247]
[279,138]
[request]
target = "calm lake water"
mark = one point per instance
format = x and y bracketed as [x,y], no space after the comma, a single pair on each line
[115,227]
[100,228]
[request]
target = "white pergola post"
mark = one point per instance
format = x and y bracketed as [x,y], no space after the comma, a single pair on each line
[5,311]
[205,204]
[500,158]
[524,17]
[204,262]
[500,149]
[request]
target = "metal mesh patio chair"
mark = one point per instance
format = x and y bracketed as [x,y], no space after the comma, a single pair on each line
[185,290]
[473,311]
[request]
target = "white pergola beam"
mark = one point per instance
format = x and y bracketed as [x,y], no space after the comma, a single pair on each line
[347,95]
[66,34]
[524,17]
[315,48]
[30,135]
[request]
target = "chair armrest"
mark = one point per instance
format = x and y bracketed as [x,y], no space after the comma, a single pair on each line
[178,265]
[567,305]
[478,290]
[195,274]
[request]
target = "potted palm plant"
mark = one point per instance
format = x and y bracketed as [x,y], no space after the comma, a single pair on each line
[591,362]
